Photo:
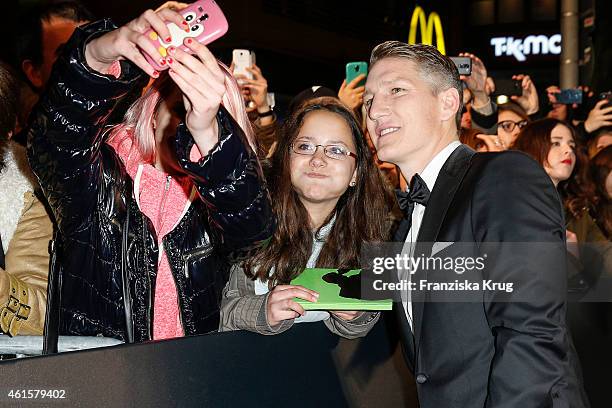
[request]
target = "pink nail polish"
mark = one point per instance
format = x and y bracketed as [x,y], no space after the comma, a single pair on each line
[168,39]
[162,61]
[189,41]
[155,74]
[170,61]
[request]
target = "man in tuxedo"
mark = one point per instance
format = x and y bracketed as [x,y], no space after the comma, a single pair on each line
[484,353]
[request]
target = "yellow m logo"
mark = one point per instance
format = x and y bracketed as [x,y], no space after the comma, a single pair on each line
[427,26]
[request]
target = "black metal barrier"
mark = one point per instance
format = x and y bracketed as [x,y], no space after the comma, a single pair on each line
[306,366]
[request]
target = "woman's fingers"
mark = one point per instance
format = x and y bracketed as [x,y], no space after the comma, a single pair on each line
[169,15]
[195,72]
[158,22]
[206,57]
[283,309]
[279,315]
[149,20]
[290,304]
[355,81]
[174,5]
[185,86]
[144,45]
[291,291]
[257,76]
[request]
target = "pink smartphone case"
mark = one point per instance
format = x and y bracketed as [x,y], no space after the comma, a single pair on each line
[206,23]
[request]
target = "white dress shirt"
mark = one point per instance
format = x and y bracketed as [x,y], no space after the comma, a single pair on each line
[429,176]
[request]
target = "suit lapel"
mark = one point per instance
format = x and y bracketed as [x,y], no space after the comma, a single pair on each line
[442,195]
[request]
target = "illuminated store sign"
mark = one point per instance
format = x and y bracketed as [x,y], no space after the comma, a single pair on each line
[427,25]
[530,45]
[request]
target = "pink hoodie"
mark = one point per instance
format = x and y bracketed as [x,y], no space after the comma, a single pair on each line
[164,200]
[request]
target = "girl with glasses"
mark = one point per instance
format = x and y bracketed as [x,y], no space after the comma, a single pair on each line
[511,118]
[329,199]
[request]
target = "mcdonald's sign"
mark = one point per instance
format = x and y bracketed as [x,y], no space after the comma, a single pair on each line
[427,26]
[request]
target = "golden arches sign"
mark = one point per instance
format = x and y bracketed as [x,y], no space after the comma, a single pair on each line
[427,25]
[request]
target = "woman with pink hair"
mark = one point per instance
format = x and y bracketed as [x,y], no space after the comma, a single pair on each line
[152,212]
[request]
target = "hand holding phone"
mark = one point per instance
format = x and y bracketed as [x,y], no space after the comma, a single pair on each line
[601,114]
[354,69]
[569,96]
[528,100]
[608,97]
[508,87]
[352,88]
[463,64]
[124,43]
[203,21]
[241,60]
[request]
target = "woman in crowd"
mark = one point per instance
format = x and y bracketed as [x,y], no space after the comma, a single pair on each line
[329,199]
[554,145]
[511,118]
[151,218]
[25,228]
[601,170]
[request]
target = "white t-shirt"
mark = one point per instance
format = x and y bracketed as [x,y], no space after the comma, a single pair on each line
[318,241]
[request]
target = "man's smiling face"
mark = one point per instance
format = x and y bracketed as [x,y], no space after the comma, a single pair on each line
[402,111]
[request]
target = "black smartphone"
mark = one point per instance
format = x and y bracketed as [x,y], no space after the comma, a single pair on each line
[608,96]
[508,87]
[463,64]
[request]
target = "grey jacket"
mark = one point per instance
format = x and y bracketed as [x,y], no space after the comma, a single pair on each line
[242,309]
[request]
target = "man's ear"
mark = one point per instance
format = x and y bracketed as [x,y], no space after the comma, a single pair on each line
[449,104]
[32,73]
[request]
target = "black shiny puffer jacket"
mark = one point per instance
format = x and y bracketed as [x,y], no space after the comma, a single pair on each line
[90,192]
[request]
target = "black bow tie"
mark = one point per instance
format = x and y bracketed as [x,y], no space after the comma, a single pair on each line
[417,193]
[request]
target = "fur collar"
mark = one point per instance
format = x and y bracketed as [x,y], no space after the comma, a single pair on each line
[16,179]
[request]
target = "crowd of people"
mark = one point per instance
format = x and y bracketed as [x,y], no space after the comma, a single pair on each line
[145,205]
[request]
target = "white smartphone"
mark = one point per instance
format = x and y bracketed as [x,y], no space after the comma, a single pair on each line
[243,59]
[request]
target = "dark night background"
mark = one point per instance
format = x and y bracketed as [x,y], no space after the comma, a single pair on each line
[300,43]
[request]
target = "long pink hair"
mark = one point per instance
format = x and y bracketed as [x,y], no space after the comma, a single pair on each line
[139,118]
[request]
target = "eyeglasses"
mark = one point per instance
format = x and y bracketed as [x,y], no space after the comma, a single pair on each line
[509,125]
[336,152]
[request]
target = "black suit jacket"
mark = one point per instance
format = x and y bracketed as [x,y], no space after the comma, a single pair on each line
[488,353]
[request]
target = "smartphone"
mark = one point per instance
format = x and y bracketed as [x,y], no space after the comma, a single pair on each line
[206,23]
[243,59]
[569,96]
[508,87]
[608,96]
[354,69]
[463,64]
